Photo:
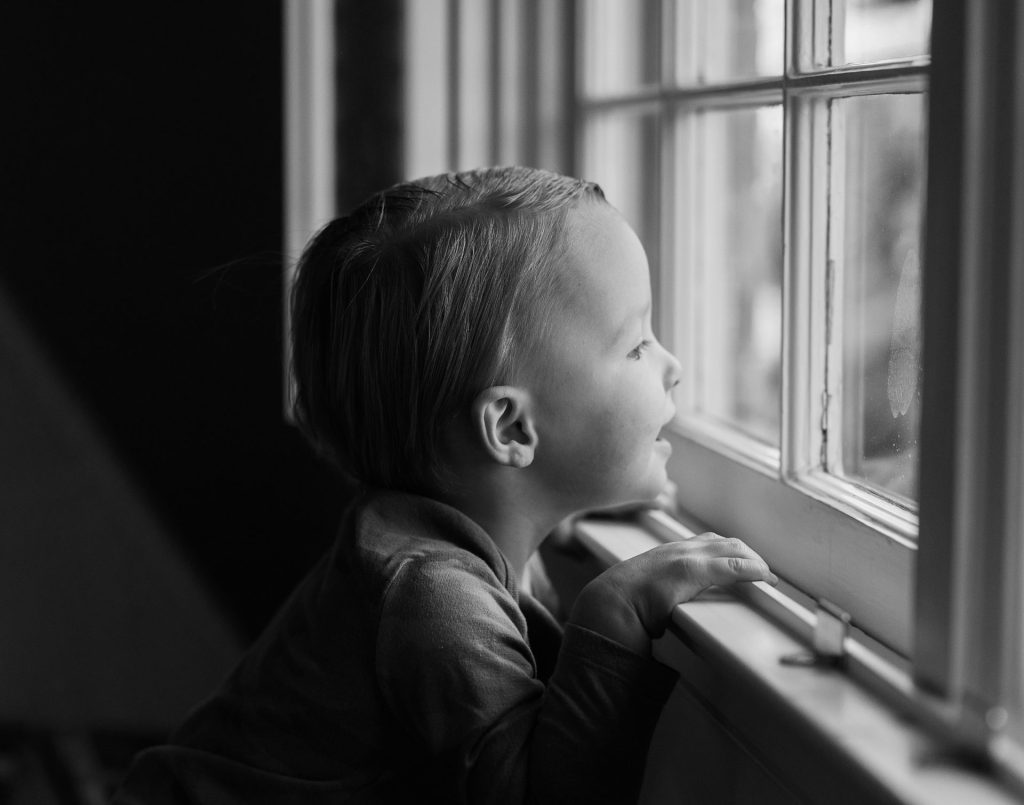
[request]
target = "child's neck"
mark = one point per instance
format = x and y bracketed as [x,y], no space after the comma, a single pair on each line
[510,516]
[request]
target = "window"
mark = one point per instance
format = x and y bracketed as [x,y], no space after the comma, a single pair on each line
[775,159]
[780,194]
[827,191]
[488,82]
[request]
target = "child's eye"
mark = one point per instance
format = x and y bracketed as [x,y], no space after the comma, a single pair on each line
[638,350]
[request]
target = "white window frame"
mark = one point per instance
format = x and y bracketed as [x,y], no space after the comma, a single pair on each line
[830,538]
[969,629]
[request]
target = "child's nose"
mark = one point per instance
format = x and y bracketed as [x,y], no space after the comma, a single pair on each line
[673,371]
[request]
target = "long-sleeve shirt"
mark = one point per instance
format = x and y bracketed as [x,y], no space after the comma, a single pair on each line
[408,667]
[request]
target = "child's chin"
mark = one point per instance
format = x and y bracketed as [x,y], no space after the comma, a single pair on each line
[644,497]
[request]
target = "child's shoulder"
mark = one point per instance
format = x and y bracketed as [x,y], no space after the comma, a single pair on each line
[434,569]
[421,543]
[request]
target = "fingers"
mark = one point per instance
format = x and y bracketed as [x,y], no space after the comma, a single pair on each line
[656,581]
[733,560]
[715,559]
[730,569]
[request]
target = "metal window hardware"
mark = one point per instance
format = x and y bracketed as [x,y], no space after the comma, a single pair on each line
[828,645]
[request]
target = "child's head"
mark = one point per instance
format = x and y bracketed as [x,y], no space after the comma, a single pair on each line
[404,310]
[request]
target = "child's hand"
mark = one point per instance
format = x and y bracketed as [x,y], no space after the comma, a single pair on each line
[632,601]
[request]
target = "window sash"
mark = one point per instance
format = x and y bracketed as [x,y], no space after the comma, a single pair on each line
[816,545]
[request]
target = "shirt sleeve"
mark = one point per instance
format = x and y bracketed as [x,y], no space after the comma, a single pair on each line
[457,672]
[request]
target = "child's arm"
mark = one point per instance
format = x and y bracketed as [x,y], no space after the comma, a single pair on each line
[457,673]
[631,602]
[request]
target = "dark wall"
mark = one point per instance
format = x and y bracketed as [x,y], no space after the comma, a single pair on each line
[142,176]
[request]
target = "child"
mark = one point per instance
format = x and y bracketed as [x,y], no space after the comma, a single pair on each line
[476,351]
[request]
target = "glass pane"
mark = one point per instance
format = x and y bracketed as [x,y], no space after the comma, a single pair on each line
[877,30]
[736,305]
[722,40]
[620,45]
[884,157]
[620,153]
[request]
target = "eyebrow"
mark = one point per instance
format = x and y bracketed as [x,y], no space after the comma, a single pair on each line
[632,317]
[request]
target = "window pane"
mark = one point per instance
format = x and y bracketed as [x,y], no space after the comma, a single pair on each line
[876,30]
[880,394]
[722,40]
[620,45]
[620,153]
[734,183]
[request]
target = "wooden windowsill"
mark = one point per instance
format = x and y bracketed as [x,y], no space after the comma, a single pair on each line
[728,655]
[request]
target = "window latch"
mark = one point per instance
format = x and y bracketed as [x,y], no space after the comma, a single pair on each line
[828,646]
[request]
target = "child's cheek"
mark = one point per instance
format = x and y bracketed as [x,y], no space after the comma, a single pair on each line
[626,444]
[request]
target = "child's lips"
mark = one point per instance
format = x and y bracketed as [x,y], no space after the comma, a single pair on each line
[660,438]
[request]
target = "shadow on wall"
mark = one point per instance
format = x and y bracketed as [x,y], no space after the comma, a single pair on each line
[102,623]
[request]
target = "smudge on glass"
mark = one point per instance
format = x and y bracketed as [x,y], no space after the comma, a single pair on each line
[905,346]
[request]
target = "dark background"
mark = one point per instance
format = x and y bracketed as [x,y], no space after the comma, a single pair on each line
[142,236]
[155,506]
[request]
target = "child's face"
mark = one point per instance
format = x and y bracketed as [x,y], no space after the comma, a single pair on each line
[602,380]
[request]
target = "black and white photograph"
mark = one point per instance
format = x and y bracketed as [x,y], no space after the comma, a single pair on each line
[493,402]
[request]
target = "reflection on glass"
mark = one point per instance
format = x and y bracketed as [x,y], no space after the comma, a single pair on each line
[620,50]
[877,30]
[737,225]
[881,288]
[620,153]
[735,39]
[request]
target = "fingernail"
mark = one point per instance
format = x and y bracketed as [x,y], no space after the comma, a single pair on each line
[773,580]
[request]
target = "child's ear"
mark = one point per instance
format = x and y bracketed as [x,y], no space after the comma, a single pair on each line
[503,425]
